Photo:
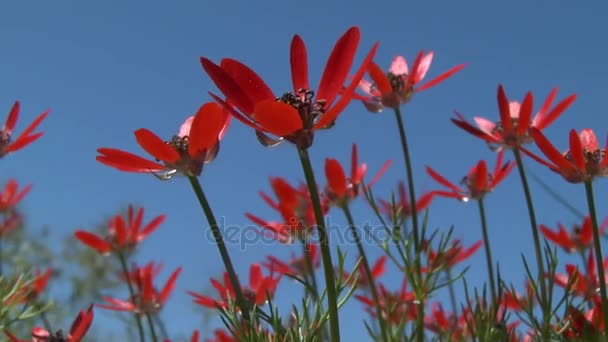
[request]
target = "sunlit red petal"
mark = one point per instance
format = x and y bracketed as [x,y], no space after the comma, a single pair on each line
[298,60]
[126,161]
[550,151]
[547,119]
[332,113]
[441,180]
[441,78]
[248,80]
[154,145]
[12,118]
[277,118]
[93,241]
[576,151]
[206,127]
[169,286]
[380,79]
[336,177]
[504,109]
[525,113]
[228,86]
[338,65]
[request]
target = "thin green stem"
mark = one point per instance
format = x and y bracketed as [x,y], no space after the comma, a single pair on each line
[161,325]
[452,291]
[310,269]
[415,229]
[219,240]
[328,268]
[125,271]
[599,260]
[151,327]
[488,249]
[544,301]
[368,272]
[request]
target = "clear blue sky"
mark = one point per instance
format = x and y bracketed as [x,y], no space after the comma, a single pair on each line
[106,68]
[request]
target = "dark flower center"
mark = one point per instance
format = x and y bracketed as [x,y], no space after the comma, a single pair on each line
[5,141]
[591,157]
[309,109]
[511,138]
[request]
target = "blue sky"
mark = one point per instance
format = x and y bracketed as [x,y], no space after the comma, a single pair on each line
[107,68]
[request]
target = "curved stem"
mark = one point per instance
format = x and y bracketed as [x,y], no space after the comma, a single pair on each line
[368,273]
[328,268]
[486,243]
[151,327]
[544,300]
[599,260]
[219,240]
[415,228]
[125,271]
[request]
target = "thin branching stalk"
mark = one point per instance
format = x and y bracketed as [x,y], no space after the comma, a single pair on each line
[368,273]
[151,327]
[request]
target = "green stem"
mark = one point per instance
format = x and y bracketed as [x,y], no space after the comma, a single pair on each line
[415,229]
[452,291]
[125,271]
[544,301]
[161,326]
[599,260]
[151,326]
[486,243]
[368,272]
[328,268]
[219,240]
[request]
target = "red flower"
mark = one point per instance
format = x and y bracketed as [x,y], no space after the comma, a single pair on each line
[196,144]
[26,137]
[296,266]
[79,328]
[398,307]
[122,236]
[397,87]
[514,126]
[477,183]
[578,240]
[584,285]
[341,189]
[295,208]
[10,197]
[260,287]
[402,209]
[516,302]
[147,299]
[292,116]
[450,257]
[377,270]
[582,162]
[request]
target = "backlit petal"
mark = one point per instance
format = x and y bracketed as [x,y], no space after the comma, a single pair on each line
[277,118]
[154,145]
[298,61]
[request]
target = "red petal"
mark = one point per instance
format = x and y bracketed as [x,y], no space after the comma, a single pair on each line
[505,112]
[23,141]
[336,178]
[277,118]
[206,127]
[439,179]
[332,113]
[338,65]
[481,177]
[255,276]
[169,286]
[228,86]
[248,80]
[12,118]
[441,77]
[525,113]
[380,79]
[556,112]
[298,60]
[154,145]
[550,151]
[126,161]
[93,241]
[576,151]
